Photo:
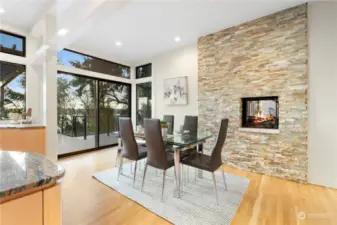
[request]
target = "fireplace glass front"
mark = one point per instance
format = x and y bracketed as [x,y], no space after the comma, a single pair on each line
[260,112]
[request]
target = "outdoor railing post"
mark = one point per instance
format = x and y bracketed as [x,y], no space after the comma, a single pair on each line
[74,126]
[62,124]
[85,127]
[108,124]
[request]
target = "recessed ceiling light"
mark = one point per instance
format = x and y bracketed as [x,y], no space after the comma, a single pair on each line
[2,10]
[62,32]
[177,39]
[119,44]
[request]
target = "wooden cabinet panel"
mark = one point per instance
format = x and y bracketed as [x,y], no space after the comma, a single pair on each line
[52,206]
[25,140]
[26,210]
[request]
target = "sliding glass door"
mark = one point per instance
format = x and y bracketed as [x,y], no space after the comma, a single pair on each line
[114,101]
[88,110]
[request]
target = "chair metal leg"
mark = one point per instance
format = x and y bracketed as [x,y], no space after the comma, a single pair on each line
[188,175]
[183,177]
[175,177]
[131,167]
[215,189]
[224,176]
[162,192]
[117,157]
[144,176]
[134,173]
[195,174]
[120,167]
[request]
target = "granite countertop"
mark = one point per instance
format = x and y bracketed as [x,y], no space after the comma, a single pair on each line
[24,171]
[20,126]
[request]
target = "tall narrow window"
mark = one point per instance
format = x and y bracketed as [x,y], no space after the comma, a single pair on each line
[12,90]
[144,102]
[12,43]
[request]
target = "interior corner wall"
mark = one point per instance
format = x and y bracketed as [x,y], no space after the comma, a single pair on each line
[322,36]
[176,63]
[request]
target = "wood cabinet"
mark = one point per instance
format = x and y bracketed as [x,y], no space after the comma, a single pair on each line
[23,139]
[40,208]
[26,210]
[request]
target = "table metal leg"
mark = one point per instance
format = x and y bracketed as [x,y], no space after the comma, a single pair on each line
[199,171]
[177,169]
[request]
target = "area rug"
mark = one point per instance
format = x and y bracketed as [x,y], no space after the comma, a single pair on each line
[197,204]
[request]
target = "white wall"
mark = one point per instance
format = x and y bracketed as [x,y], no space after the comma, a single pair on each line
[322,137]
[177,63]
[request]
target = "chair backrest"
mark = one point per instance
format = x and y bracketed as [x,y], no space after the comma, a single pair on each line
[191,124]
[130,147]
[216,153]
[170,120]
[156,154]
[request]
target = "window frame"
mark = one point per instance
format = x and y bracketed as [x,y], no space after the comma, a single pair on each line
[104,60]
[23,38]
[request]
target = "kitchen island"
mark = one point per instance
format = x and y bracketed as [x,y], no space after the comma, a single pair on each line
[23,137]
[30,192]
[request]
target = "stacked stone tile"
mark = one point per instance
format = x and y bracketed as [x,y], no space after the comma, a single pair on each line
[264,57]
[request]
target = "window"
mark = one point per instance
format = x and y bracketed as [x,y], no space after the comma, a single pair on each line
[144,104]
[81,61]
[12,90]
[88,111]
[144,71]
[12,43]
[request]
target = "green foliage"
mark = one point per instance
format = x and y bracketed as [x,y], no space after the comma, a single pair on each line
[163,124]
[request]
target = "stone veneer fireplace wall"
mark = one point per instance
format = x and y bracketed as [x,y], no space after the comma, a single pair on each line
[264,57]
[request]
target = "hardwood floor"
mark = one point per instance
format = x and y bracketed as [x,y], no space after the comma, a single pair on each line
[268,200]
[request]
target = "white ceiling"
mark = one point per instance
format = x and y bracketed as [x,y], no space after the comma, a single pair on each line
[23,13]
[145,27]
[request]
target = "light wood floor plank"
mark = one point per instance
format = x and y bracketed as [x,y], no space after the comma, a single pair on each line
[268,200]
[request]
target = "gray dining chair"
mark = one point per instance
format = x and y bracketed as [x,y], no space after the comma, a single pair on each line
[130,149]
[213,162]
[170,120]
[157,156]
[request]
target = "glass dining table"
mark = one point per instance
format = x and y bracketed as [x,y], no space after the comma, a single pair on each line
[180,143]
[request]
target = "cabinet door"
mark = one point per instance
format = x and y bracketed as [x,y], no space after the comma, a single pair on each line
[52,206]
[26,210]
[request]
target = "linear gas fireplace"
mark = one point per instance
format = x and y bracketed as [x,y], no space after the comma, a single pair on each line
[260,112]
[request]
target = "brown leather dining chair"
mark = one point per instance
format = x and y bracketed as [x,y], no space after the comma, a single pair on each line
[170,120]
[213,162]
[130,150]
[157,156]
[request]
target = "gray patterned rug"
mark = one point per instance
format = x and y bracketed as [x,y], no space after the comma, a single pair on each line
[197,204]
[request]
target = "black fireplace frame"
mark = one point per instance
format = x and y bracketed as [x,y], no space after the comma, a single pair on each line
[244,123]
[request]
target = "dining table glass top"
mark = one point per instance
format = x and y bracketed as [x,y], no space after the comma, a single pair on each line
[181,140]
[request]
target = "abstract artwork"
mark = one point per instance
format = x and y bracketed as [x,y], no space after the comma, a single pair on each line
[175,91]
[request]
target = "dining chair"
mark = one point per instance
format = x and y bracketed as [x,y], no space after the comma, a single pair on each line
[213,162]
[130,150]
[170,120]
[157,156]
[191,125]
